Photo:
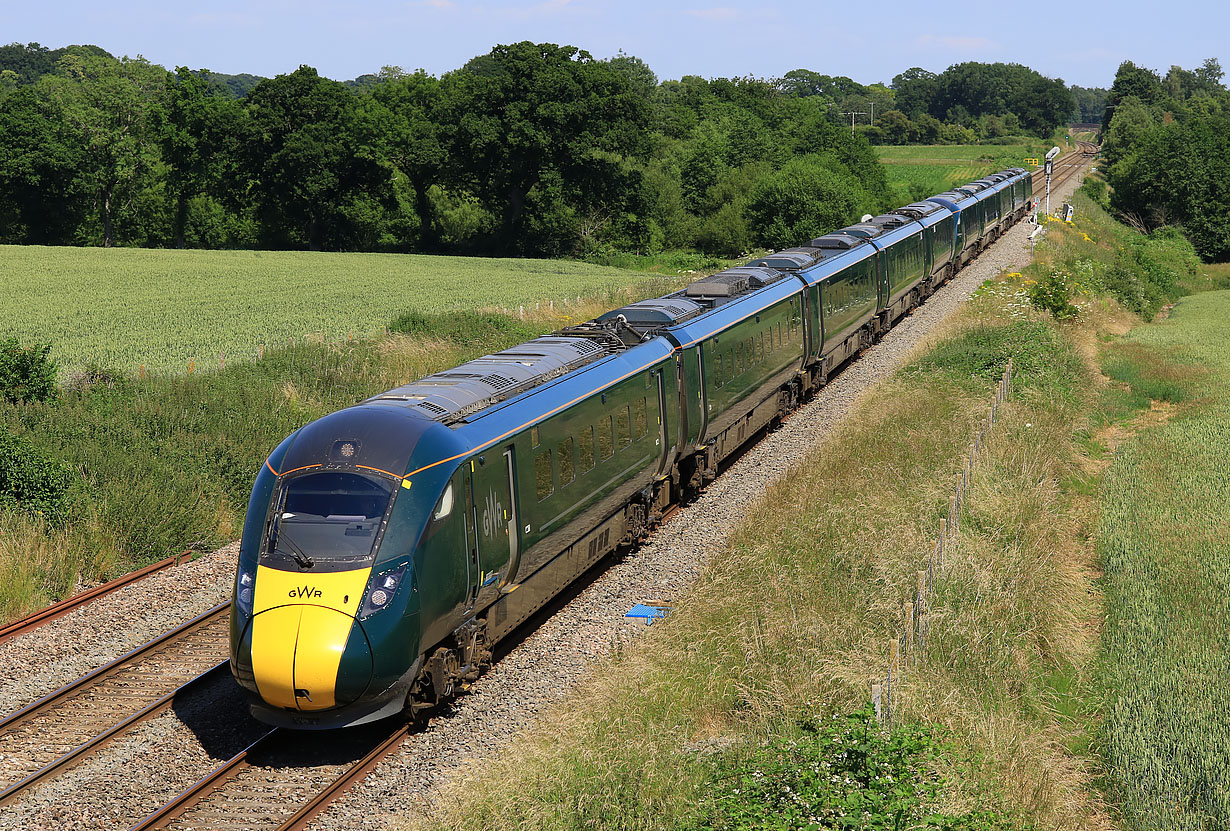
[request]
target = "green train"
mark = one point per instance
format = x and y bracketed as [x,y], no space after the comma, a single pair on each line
[388,546]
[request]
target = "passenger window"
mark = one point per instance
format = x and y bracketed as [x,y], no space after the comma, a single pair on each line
[587,449]
[542,475]
[606,444]
[623,427]
[534,442]
[739,358]
[715,361]
[730,365]
[760,348]
[640,420]
[566,470]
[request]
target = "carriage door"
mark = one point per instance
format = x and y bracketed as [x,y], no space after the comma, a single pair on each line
[473,580]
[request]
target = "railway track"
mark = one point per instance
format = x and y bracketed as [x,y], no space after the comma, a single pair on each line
[46,737]
[280,782]
[1065,168]
[58,610]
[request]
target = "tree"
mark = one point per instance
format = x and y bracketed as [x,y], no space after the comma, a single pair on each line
[107,103]
[803,200]
[525,111]
[915,90]
[201,135]
[895,127]
[41,199]
[406,118]
[1132,81]
[318,183]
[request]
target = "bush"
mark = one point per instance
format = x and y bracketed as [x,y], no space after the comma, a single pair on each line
[26,373]
[464,327]
[1040,355]
[803,200]
[844,772]
[32,481]
[1053,293]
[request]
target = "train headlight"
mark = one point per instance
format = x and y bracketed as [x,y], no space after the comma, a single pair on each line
[384,588]
[244,588]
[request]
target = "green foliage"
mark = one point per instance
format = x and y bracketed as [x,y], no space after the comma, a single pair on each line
[803,200]
[26,373]
[1053,293]
[835,773]
[465,328]
[1095,188]
[1038,351]
[1147,271]
[566,146]
[32,481]
[966,92]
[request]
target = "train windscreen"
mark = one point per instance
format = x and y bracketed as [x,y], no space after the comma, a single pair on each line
[327,521]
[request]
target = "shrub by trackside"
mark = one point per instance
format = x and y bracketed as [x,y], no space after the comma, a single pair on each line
[33,482]
[26,373]
[839,772]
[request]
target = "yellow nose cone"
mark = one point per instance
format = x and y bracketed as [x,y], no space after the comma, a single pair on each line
[299,632]
[296,652]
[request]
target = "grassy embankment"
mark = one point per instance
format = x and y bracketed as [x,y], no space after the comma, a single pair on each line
[723,715]
[164,462]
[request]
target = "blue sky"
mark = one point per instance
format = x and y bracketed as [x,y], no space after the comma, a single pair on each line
[866,41]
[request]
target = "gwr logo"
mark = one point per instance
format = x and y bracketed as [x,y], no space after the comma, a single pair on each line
[305,591]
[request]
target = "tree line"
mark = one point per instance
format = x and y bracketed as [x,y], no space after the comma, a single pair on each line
[1167,152]
[531,149]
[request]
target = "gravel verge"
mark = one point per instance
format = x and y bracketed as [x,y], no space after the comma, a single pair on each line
[538,672]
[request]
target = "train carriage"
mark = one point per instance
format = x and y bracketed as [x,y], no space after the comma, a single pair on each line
[389,545]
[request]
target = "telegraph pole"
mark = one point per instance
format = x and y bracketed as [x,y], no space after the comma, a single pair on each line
[852,119]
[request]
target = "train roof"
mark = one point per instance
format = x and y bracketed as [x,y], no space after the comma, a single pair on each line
[451,395]
[791,259]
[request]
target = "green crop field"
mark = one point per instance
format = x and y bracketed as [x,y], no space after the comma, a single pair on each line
[917,171]
[121,309]
[1164,542]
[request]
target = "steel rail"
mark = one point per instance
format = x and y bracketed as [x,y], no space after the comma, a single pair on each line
[46,702]
[10,793]
[68,604]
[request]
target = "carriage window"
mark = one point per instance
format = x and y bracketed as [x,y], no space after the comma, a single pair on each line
[716,363]
[739,357]
[534,441]
[730,365]
[640,420]
[624,427]
[566,470]
[760,348]
[587,449]
[542,475]
[606,443]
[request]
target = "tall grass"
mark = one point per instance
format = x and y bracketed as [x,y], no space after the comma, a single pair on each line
[1164,542]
